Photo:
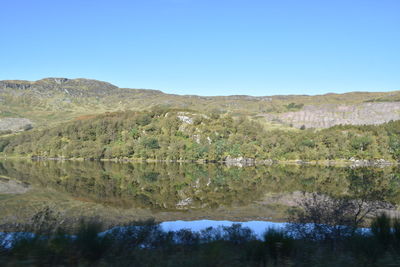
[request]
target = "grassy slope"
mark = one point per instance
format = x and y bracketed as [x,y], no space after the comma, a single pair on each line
[52,101]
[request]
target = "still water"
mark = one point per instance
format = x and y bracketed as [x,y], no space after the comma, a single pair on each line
[177,194]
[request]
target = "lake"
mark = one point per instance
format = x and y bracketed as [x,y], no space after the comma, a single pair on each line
[121,193]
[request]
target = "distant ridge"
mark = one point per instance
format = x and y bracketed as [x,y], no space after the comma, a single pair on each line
[92,84]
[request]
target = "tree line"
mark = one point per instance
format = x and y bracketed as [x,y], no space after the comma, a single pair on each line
[164,134]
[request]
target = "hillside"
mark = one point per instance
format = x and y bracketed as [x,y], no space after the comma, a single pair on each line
[167,134]
[54,100]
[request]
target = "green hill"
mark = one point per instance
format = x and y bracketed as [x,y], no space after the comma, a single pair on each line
[169,134]
[54,100]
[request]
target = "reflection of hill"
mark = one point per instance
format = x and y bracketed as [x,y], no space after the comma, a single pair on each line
[9,186]
[177,191]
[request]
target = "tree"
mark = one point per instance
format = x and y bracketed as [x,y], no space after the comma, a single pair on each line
[150,142]
[361,143]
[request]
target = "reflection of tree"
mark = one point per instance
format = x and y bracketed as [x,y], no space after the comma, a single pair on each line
[320,217]
[370,190]
[193,186]
[323,217]
[157,186]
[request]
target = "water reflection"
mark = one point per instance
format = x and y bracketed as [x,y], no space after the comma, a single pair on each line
[163,187]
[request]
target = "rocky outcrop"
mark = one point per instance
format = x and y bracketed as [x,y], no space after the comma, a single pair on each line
[369,163]
[183,116]
[240,161]
[328,115]
[15,124]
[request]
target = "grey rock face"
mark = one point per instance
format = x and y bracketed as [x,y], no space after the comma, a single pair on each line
[239,162]
[328,115]
[15,124]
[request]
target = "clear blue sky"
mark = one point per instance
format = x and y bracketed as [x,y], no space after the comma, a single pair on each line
[206,47]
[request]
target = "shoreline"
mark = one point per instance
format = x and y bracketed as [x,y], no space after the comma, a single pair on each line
[238,162]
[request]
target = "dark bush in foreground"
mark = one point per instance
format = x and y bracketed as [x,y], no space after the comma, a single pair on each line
[148,245]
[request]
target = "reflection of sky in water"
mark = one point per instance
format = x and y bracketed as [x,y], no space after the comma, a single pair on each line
[258,227]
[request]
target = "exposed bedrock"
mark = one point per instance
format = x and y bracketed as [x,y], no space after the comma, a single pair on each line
[328,115]
[15,124]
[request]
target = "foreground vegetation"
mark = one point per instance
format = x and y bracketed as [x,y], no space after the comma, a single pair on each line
[148,245]
[164,134]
